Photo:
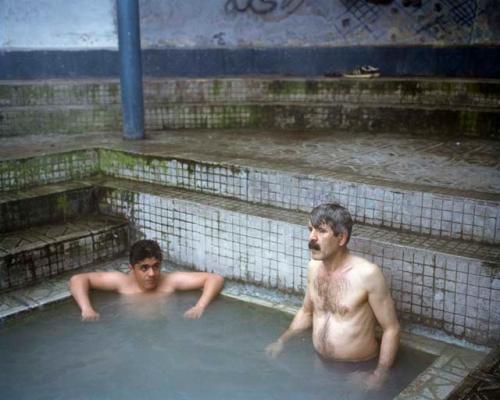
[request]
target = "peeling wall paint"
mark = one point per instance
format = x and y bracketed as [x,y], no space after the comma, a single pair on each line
[57,24]
[91,24]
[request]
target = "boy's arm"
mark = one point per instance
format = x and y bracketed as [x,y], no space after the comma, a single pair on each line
[80,285]
[211,284]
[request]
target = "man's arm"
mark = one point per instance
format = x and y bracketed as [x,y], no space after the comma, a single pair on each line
[302,321]
[80,284]
[382,305]
[211,284]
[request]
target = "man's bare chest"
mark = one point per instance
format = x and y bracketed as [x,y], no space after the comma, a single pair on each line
[339,295]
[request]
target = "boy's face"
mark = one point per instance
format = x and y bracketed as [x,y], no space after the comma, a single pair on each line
[147,273]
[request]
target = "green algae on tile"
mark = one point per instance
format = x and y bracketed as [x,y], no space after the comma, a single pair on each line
[114,91]
[49,168]
[468,122]
[217,87]
[62,204]
[286,88]
[111,159]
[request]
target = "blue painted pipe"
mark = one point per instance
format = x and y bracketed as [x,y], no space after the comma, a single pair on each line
[129,41]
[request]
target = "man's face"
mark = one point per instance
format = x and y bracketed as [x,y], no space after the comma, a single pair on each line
[323,243]
[147,273]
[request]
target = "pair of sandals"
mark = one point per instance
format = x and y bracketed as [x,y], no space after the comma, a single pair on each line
[366,71]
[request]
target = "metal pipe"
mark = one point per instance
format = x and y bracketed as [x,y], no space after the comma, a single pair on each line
[129,41]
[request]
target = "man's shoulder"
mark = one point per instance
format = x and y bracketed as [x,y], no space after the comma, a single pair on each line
[370,274]
[364,266]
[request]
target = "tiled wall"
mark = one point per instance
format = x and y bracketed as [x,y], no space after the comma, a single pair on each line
[64,120]
[42,207]
[290,91]
[451,293]
[21,173]
[435,282]
[425,212]
[450,107]
[43,253]
[458,295]
[257,90]
[356,117]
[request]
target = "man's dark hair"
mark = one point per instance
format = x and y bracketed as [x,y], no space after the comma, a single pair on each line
[333,215]
[144,249]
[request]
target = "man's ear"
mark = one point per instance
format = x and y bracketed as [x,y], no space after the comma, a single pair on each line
[343,239]
[130,267]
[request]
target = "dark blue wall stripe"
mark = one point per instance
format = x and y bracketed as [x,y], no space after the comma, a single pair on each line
[466,61]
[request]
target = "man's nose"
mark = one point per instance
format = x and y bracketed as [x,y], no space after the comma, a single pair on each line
[150,272]
[312,235]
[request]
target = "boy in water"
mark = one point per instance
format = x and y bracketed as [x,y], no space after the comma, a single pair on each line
[145,276]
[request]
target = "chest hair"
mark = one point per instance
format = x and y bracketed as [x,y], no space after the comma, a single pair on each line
[331,292]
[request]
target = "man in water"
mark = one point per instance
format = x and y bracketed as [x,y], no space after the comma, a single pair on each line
[345,297]
[145,276]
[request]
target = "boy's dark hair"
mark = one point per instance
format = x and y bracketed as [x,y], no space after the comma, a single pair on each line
[144,249]
[333,215]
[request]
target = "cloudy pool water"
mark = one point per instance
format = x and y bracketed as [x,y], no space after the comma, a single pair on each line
[142,348]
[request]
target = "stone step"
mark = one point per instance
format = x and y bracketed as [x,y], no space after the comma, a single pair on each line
[40,205]
[419,208]
[450,285]
[402,200]
[81,92]
[433,92]
[456,122]
[484,123]
[18,121]
[452,107]
[29,255]
[18,172]
[421,186]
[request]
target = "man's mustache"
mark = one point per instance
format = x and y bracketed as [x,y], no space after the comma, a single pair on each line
[314,246]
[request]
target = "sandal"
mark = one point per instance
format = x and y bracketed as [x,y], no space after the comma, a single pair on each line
[366,71]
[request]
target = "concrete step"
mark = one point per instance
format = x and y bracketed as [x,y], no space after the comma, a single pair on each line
[484,123]
[31,254]
[450,285]
[452,107]
[417,186]
[40,205]
[419,208]
[81,92]
[19,121]
[433,92]
[457,122]
[18,172]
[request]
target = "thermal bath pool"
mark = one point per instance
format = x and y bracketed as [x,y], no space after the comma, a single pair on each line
[145,349]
